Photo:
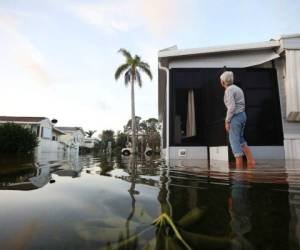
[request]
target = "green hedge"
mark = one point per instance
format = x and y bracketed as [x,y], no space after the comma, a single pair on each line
[16,139]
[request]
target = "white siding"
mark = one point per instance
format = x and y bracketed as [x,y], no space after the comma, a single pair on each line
[268,152]
[291,130]
[292,147]
[46,127]
[219,153]
[49,146]
[190,153]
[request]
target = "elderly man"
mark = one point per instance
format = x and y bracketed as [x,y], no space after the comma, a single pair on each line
[236,119]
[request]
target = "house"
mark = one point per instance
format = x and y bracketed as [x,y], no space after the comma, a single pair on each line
[46,133]
[73,137]
[90,143]
[191,105]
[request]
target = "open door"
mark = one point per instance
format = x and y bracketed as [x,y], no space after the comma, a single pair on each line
[264,127]
[217,136]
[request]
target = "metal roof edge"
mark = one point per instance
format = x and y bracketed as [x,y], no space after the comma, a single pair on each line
[58,130]
[295,35]
[219,49]
[21,122]
[174,47]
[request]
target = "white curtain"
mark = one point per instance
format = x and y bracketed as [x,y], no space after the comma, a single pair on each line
[191,119]
[292,84]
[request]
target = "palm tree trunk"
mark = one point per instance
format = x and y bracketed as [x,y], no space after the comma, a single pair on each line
[133,125]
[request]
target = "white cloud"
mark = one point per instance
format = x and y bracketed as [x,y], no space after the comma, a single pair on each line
[110,16]
[159,16]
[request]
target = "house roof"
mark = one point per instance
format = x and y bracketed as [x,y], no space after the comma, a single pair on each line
[266,45]
[91,139]
[295,35]
[70,129]
[27,119]
[23,186]
[58,130]
[174,52]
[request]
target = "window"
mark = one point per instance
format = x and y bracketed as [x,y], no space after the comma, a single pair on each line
[38,131]
[46,133]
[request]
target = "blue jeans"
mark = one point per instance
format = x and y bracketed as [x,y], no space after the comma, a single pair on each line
[236,133]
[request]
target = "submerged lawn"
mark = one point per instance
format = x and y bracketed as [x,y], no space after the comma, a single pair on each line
[91,202]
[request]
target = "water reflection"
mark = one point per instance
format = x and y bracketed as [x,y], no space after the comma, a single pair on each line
[132,169]
[110,202]
[240,211]
[36,175]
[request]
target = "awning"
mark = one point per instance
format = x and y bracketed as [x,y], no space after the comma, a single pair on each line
[230,60]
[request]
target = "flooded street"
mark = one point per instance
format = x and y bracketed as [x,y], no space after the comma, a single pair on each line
[98,202]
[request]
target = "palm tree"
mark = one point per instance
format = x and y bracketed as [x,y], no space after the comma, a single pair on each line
[90,133]
[131,69]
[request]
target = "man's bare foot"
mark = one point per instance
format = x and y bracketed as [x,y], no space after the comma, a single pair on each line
[251,164]
[239,162]
[249,156]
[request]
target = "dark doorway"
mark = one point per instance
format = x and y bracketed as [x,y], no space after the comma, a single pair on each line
[260,86]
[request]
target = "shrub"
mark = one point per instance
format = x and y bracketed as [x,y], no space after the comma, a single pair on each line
[16,139]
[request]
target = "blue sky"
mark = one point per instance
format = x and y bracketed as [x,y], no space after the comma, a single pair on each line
[58,57]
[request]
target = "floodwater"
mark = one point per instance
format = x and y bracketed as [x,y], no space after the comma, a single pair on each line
[99,202]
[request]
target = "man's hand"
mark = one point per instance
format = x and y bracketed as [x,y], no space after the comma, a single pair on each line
[227,126]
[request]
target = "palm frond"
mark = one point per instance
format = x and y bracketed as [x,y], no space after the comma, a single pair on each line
[120,70]
[146,69]
[145,64]
[128,77]
[126,54]
[138,78]
[131,68]
[137,59]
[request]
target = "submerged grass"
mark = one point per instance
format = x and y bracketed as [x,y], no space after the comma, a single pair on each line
[163,238]
[163,220]
[168,233]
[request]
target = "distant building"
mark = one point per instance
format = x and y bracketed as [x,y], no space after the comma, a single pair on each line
[73,137]
[90,142]
[48,136]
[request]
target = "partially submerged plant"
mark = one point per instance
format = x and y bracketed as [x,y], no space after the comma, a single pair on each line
[167,233]
[164,220]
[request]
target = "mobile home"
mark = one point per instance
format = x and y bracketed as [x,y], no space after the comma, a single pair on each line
[191,106]
[47,134]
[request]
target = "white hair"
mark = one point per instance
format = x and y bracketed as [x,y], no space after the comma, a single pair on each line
[227,78]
